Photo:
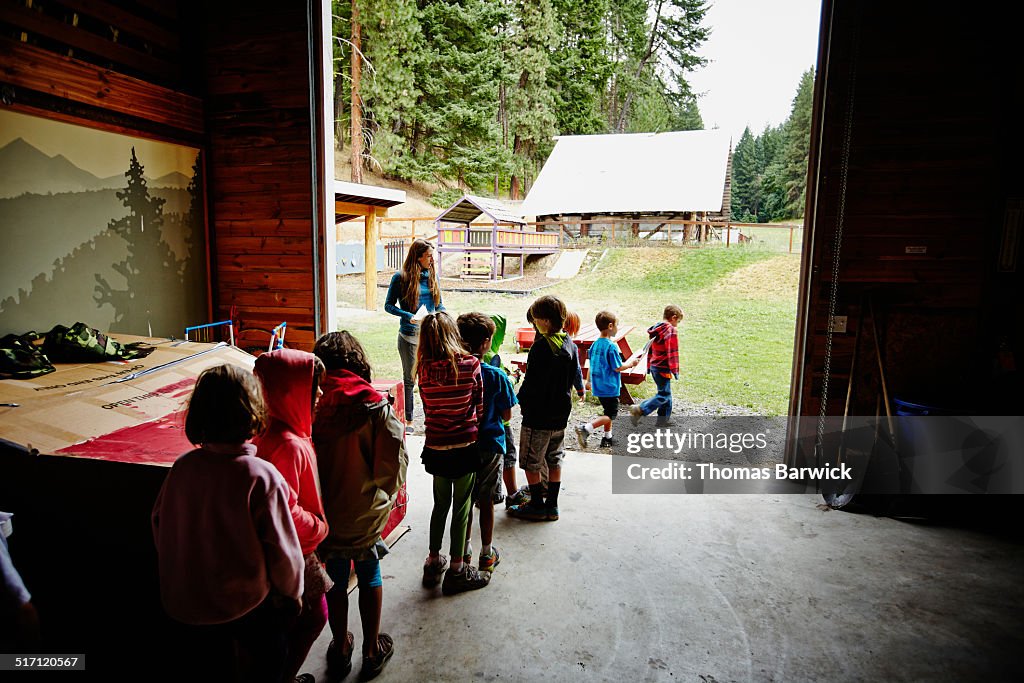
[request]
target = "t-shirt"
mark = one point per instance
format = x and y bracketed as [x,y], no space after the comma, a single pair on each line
[605,382]
[498,397]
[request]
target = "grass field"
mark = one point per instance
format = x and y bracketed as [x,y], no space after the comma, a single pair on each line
[736,344]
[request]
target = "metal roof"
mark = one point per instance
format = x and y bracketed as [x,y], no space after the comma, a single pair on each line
[632,173]
[470,207]
[371,195]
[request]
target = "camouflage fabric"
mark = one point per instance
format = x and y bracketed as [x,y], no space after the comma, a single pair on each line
[21,359]
[81,343]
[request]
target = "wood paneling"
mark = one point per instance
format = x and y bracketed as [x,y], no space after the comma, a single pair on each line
[261,175]
[925,174]
[37,69]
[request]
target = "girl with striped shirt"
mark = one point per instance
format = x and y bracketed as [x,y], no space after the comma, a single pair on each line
[451,388]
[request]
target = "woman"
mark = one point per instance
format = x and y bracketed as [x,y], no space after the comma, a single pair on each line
[415,285]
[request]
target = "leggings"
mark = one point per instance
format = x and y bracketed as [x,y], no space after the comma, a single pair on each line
[443,499]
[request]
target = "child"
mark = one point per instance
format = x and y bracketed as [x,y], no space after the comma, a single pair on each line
[361,455]
[291,386]
[451,388]
[552,369]
[663,364]
[227,550]
[514,496]
[605,382]
[477,330]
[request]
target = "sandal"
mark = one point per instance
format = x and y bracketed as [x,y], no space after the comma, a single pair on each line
[374,664]
[339,664]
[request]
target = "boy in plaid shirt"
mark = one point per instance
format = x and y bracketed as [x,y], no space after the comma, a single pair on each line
[663,364]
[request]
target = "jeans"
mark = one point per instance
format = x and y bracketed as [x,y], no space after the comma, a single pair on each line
[662,401]
[407,353]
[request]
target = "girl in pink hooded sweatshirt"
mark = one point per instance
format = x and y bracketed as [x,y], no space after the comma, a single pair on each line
[291,386]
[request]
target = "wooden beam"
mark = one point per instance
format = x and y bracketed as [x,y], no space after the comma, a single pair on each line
[49,27]
[111,14]
[353,209]
[370,261]
[30,67]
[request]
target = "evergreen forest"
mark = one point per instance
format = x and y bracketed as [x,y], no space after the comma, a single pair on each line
[469,94]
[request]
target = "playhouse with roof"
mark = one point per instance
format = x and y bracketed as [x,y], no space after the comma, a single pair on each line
[486,244]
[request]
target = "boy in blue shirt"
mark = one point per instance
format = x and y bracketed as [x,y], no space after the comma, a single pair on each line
[476,330]
[605,383]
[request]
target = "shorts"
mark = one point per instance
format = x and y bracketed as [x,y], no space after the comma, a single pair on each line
[510,449]
[487,476]
[540,449]
[367,572]
[610,405]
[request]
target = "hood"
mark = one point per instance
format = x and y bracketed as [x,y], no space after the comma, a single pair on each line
[287,379]
[346,401]
[555,341]
[660,331]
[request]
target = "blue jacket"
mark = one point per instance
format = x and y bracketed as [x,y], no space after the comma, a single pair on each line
[406,309]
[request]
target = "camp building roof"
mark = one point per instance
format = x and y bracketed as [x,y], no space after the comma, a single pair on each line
[470,207]
[632,173]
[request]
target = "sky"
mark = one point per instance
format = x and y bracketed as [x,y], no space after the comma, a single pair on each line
[102,154]
[758,49]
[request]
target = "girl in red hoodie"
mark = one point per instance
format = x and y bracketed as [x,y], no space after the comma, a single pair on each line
[291,382]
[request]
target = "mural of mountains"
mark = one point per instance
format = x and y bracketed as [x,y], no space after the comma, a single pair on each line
[26,169]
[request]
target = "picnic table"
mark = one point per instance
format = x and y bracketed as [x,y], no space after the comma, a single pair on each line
[587,335]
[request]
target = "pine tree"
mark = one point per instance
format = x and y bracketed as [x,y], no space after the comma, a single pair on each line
[531,115]
[392,46]
[456,134]
[150,270]
[744,179]
[580,66]
[793,176]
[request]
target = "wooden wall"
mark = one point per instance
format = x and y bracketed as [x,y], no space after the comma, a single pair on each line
[260,169]
[120,68]
[933,150]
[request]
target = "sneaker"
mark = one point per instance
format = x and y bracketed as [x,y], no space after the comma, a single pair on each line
[537,513]
[635,413]
[553,514]
[581,435]
[339,664]
[432,572]
[469,579]
[373,665]
[468,557]
[607,442]
[489,562]
[409,429]
[520,497]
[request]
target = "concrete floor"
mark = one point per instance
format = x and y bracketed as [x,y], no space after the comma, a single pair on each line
[704,588]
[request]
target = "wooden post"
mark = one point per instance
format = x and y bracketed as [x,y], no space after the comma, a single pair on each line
[413,237]
[791,239]
[728,234]
[669,232]
[612,230]
[370,259]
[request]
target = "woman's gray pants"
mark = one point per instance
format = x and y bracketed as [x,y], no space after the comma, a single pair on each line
[407,352]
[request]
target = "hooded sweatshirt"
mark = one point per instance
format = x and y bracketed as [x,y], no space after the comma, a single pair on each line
[361,456]
[287,378]
[545,398]
[664,352]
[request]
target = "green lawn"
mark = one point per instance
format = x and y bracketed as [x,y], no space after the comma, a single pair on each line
[736,343]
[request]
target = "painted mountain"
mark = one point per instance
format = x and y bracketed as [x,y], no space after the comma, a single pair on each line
[25,169]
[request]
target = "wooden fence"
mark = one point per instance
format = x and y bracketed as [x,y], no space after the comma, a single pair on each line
[787,237]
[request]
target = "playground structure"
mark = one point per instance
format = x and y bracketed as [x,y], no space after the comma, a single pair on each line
[485,247]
